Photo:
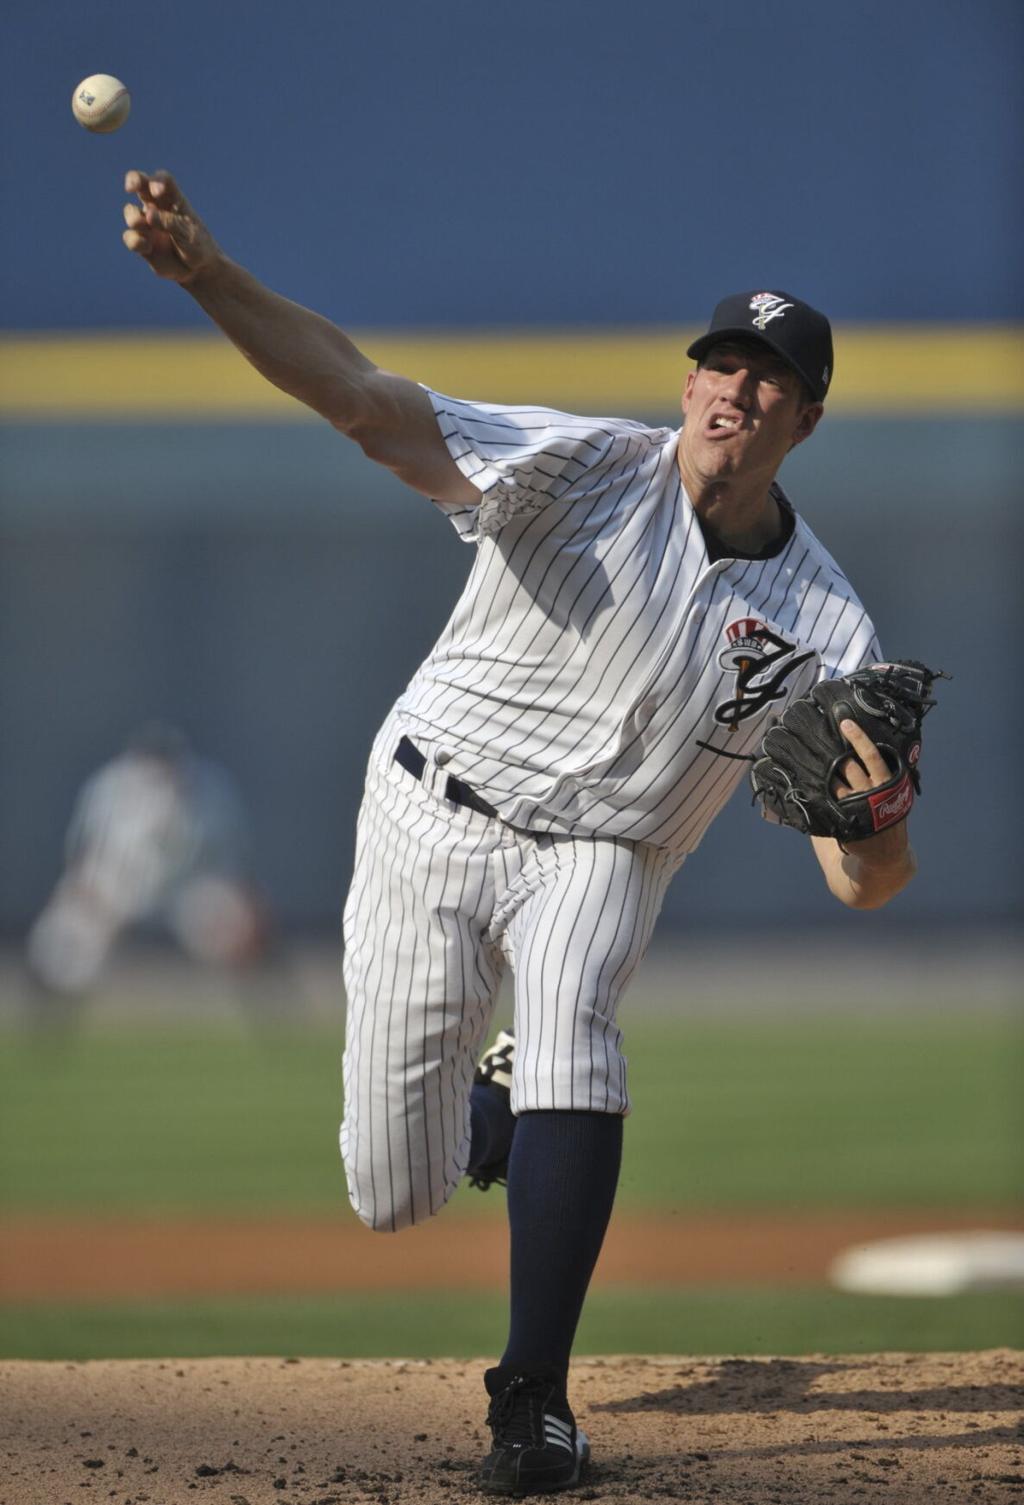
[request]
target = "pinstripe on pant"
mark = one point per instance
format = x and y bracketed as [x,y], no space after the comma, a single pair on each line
[441,898]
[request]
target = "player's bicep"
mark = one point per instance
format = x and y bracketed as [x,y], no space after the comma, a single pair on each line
[399,429]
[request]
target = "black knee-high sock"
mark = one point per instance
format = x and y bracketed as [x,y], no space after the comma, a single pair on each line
[562,1175]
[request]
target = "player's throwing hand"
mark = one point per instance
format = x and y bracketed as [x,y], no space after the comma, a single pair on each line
[165,229]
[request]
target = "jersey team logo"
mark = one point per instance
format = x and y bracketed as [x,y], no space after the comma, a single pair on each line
[766,307]
[762,662]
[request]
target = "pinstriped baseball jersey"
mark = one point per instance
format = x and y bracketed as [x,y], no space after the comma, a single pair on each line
[601,674]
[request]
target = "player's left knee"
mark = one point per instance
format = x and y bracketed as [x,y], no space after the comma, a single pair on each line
[391,1215]
[385,1205]
[382,1219]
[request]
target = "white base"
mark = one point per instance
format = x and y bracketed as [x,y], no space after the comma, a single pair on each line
[933,1264]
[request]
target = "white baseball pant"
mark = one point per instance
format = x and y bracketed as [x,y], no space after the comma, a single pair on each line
[441,898]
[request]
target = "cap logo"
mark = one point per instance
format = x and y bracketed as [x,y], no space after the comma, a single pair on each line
[767,306]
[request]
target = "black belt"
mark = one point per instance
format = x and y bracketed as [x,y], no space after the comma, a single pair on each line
[413,761]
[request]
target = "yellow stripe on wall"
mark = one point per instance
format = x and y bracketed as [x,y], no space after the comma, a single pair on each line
[884,370]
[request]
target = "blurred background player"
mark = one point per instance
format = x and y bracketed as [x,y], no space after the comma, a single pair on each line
[158,838]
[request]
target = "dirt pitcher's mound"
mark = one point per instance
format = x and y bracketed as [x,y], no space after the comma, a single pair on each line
[869,1429]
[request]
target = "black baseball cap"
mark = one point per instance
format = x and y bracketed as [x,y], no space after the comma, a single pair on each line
[794,330]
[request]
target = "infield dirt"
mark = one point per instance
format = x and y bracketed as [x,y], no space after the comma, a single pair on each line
[894,1428]
[51,1258]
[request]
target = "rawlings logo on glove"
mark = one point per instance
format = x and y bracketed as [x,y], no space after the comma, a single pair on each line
[888,809]
[799,770]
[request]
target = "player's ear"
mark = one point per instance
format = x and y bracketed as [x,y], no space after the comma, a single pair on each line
[807,422]
[691,377]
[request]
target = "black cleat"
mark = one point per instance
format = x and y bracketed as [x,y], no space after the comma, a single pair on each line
[538,1447]
[495,1070]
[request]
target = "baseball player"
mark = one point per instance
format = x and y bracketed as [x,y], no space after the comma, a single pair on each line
[157,835]
[640,604]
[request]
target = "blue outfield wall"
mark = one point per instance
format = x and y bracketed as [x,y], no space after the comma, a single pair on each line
[576,161]
[272,591]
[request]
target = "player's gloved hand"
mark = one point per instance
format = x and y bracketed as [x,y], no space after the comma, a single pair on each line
[165,229]
[825,777]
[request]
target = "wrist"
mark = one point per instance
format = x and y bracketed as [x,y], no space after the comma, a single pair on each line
[213,271]
[875,870]
[886,849]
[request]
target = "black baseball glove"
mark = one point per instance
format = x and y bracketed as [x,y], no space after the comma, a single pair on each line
[801,753]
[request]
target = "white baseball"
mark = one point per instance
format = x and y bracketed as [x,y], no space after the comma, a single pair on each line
[101,103]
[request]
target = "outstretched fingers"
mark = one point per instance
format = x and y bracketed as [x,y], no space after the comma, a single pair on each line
[135,236]
[151,232]
[162,226]
[158,189]
[162,202]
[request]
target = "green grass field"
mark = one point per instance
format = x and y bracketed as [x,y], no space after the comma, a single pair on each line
[777,1113]
[774,1113]
[705,1320]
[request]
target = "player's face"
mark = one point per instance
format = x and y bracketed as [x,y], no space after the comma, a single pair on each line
[745,410]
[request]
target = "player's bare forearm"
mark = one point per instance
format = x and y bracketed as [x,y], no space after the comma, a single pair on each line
[295,349]
[311,359]
[867,874]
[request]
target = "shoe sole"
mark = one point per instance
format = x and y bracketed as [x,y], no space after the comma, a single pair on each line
[538,1487]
